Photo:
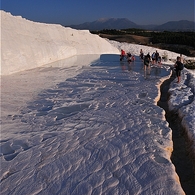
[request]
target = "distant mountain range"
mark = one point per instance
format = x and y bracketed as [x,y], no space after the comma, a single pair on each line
[124,23]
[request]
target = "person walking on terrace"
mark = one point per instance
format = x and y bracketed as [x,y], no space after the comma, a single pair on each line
[146,65]
[178,68]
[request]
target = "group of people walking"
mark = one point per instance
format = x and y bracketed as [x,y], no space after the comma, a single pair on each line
[155,58]
[147,59]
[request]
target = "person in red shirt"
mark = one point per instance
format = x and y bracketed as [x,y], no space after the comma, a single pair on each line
[122,55]
[133,58]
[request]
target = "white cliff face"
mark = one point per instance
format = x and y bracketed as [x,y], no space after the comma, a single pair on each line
[26,44]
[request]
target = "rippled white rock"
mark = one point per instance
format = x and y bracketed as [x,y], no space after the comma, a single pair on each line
[97,132]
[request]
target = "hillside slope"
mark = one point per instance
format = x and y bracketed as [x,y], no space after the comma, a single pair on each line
[26,44]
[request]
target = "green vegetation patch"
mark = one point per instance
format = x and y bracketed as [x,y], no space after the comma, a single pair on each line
[179,42]
[189,64]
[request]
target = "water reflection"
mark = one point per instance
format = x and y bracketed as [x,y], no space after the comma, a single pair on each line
[112,62]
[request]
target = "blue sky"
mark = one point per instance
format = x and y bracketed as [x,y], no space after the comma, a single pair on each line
[69,12]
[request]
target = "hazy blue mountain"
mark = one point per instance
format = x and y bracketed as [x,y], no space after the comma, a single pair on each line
[182,25]
[124,23]
[109,23]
